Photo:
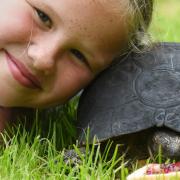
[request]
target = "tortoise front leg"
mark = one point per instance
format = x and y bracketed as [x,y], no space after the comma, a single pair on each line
[168,141]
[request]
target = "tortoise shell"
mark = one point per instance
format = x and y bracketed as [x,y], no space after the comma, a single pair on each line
[141,91]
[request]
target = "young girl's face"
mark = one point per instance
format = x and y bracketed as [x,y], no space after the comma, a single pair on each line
[50,49]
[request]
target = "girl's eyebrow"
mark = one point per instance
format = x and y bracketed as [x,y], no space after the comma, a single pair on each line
[49,8]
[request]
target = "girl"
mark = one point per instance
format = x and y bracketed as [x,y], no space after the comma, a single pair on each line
[49,50]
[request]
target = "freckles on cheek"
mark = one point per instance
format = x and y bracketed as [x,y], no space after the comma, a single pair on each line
[79,79]
[82,79]
[74,80]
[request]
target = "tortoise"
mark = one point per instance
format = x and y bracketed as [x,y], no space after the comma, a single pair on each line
[136,102]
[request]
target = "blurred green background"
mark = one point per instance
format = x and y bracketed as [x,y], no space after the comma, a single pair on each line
[166,23]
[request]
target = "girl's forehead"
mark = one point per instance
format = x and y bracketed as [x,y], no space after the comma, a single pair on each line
[88,15]
[85,7]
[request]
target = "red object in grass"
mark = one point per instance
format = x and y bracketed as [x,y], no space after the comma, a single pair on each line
[157,172]
[163,168]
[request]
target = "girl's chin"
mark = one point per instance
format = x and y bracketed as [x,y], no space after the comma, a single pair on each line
[9,100]
[5,116]
[5,104]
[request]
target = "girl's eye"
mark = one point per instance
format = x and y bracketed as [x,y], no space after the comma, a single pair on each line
[44,18]
[80,56]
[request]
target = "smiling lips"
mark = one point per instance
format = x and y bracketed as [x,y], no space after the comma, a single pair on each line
[21,73]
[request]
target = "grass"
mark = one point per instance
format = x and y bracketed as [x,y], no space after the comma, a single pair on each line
[39,159]
[38,153]
[28,155]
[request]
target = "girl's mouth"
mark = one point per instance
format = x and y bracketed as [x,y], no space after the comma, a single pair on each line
[21,73]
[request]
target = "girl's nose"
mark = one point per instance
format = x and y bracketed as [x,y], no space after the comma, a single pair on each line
[44,56]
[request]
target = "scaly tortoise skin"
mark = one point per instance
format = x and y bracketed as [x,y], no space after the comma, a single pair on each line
[137,97]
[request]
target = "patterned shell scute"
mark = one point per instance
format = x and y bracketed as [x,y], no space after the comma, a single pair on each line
[159,88]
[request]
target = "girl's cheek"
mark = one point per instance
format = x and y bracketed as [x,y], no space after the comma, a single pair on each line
[76,77]
[16,26]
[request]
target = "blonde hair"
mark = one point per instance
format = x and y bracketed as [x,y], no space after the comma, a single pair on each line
[140,18]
